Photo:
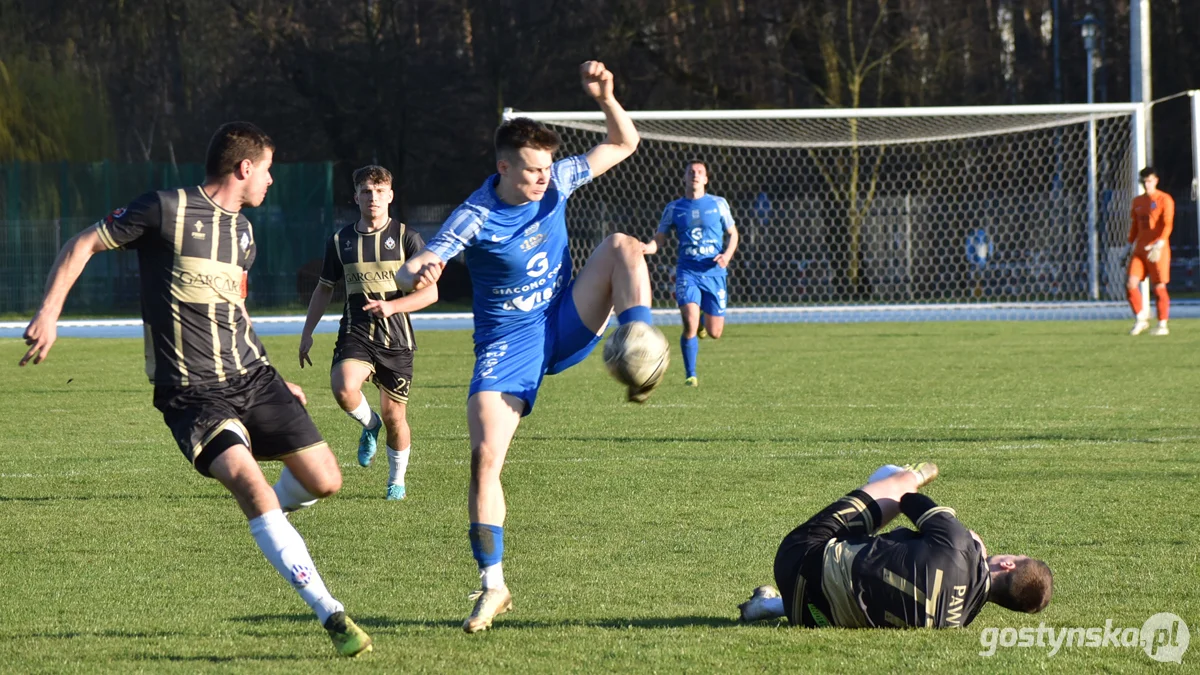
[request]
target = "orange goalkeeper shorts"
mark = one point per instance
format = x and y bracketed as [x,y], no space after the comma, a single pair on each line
[1159,272]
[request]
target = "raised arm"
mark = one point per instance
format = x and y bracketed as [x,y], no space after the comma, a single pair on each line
[622,137]
[42,331]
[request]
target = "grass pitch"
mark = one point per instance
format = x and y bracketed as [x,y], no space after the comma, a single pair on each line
[633,531]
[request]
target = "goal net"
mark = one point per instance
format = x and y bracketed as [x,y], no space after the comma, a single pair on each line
[915,210]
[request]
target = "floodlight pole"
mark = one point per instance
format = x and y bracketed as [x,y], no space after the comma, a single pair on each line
[1090,27]
[1139,67]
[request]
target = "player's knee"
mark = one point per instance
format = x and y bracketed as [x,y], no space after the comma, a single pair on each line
[345,396]
[624,246]
[715,333]
[325,485]
[486,459]
[1132,284]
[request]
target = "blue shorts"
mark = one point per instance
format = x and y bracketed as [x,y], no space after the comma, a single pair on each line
[698,289]
[516,363]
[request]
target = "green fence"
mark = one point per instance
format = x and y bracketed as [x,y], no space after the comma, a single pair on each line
[42,205]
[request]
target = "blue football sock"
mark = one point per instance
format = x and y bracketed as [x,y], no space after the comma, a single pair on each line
[690,347]
[635,313]
[487,543]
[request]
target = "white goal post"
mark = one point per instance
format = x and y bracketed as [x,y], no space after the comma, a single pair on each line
[1006,208]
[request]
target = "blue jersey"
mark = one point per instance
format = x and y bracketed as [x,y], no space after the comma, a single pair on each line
[700,226]
[516,255]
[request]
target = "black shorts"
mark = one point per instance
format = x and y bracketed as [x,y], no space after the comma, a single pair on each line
[801,555]
[256,409]
[391,369]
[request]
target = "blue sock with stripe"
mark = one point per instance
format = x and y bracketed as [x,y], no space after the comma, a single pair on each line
[635,313]
[487,543]
[690,347]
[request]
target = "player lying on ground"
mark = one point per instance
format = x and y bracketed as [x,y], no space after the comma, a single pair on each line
[1152,217]
[375,338]
[699,222]
[224,403]
[531,318]
[833,570]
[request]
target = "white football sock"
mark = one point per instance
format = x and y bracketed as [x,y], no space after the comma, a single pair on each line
[397,465]
[291,494]
[284,548]
[492,576]
[364,415]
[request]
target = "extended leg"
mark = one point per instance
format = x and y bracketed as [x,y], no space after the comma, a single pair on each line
[283,546]
[615,277]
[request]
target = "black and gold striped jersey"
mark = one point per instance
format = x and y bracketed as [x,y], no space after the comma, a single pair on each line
[368,262]
[193,257]
[935,577]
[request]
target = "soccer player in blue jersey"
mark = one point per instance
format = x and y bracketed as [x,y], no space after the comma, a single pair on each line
[531,317]
[699,222]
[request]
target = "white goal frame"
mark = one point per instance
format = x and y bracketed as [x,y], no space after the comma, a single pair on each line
[1137,113]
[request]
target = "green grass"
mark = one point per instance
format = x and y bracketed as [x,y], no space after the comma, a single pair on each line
[633,531]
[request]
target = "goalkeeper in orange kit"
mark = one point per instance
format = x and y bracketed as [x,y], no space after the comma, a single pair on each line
[1152,216]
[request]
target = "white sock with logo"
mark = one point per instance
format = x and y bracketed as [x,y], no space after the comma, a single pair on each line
[364,415]
[397,465]
[291,494]
[284,548]
[492,576]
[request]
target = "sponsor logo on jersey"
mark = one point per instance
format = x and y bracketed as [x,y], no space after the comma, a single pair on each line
[365,277]
[499,240]
[531,230]
[220,282]
[537,265]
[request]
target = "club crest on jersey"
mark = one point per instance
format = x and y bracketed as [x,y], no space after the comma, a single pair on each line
[389,243]
[244,242]
[199,233]
[117,213]
[695,214]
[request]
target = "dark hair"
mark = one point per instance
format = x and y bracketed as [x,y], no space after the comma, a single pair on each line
[372,173]
[697,161]
[232,143]
[1025,588]
[1147,172]
[523,132]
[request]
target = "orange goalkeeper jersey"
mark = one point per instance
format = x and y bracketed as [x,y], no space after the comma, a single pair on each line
[1152,219]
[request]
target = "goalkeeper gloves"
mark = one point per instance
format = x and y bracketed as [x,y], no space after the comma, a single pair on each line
[1154,251]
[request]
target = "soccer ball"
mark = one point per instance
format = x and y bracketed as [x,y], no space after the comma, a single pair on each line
[637,355]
